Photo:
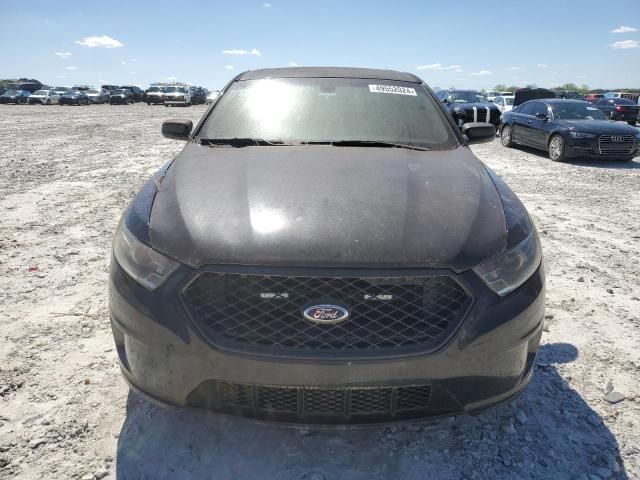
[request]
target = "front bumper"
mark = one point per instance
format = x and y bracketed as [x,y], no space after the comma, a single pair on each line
[174,101]
[591,149]
[488,360]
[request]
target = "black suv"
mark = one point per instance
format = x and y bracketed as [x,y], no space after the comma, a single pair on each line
[327,249]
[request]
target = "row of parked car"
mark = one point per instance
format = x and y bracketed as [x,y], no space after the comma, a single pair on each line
[112,94]
[563,127]
[474,106]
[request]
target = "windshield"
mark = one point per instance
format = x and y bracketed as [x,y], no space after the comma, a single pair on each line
[93,91]
[41,92]
[298,110]
[11,92]
[468,97]
[154,89]
[73,92]
[576,111]
[176,89]
[509,101]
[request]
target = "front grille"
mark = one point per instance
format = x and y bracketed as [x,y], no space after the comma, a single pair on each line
[302,403]
[616,144]
[263,313]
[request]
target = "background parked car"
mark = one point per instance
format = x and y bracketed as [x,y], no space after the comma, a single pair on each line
[469,106]
[44,97]
[504,103]
[491,96]
[198,95]
[177,95]
[154,94]
[74,97]
[619,109]
[61,90]
[569,128]
[15,96]
[122,96]
[568,94]
[593,97]
[137,94]
[98,96]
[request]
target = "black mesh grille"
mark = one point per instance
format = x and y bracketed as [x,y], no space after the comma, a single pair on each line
[368,400]
[410,398]
[278,399]
[264,313]
[299,403]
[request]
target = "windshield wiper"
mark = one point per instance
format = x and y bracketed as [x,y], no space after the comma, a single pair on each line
[368,143]
[239,142]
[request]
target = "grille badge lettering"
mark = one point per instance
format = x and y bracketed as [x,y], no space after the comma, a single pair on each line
[326,314]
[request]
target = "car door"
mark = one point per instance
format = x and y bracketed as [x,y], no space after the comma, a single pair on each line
[521,117]
[536,125]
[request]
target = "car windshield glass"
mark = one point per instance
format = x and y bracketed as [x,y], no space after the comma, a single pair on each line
[323,110]
[93,91]
[468,97]
[576,111]
[154,89]
[623,101]
[509,101]
[11,92]
[176,89]
[73,92]
[41,92]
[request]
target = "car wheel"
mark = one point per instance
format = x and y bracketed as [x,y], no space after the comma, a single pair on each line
[557,150]
[632,123]
[505,136]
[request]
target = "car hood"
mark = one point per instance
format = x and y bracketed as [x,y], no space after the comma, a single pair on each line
[598,127]
[327,206]
[470,106]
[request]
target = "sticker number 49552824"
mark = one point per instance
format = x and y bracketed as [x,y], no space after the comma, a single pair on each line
[392,89]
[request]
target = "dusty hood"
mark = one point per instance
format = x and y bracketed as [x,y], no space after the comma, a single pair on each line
[327,206]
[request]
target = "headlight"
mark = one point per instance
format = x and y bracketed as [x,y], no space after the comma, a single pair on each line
[514,267]
[146,266]
[459,111]
[582,135]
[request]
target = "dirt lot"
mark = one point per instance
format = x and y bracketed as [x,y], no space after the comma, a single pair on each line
[67,173]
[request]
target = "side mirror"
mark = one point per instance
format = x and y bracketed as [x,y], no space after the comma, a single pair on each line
[445,100]
[177,129]
[542,116]
[478,132]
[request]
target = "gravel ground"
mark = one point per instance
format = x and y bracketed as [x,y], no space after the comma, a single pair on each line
[66,175]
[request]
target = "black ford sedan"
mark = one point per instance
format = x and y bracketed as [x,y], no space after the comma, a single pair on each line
[569,128]
[327,249]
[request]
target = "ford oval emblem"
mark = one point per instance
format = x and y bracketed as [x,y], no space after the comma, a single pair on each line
[326,314]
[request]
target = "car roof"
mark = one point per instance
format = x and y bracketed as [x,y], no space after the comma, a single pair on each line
[328,72]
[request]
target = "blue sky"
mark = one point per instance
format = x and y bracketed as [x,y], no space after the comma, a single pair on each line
[463,43]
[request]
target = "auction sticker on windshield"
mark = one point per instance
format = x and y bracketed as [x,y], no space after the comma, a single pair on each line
[392,89]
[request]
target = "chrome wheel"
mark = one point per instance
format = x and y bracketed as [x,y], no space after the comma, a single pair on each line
[556,148]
